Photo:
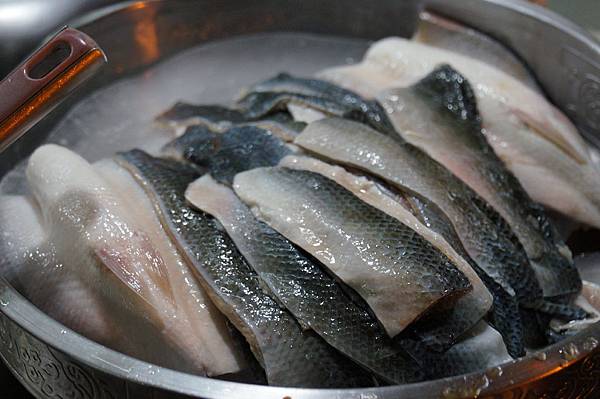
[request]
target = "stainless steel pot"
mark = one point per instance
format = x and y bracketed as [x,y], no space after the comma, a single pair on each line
[53,362]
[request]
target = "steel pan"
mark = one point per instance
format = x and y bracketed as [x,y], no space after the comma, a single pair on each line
[54,362]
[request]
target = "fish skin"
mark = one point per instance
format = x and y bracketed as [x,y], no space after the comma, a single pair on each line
[215,117]
[439,115]
[434,333]
[220,119]
[407,167]
[480,349]
[339,230]
[284,90]
[290,356]
[394,55]
[505,314]
[225,154]
[535,140]
[192,146]
[298,283]
[438,330]
[485,235]
[444,33]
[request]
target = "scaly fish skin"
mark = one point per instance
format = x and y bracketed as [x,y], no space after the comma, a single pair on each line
[438,330]
[290,356]
[439,115]
[487,238]
[225,154]
[298,283]
[278,92]
[504,316]
[219,119]
[484,234]
[396,271]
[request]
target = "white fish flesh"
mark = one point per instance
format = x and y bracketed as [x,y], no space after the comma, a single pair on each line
[110,242]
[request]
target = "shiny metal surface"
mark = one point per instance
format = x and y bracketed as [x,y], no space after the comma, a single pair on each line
[55,362]
[23,24]
[42,81]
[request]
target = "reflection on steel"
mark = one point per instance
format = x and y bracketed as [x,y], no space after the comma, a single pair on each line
[145,32]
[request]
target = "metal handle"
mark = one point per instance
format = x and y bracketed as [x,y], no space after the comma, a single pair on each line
[42,81]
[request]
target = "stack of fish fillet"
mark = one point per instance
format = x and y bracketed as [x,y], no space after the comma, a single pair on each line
[382,224]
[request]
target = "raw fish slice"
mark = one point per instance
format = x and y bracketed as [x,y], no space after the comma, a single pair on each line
[225,154]
[193,145]
[207,330]
[504,316]
[289,355]
[484,234]
[220,119]
[310,100]
[405,62]
[439,115]
[397,272]
[587,300]
[214,116]
[284,129]
[122,262]
[480,349]
[442,328]
[33,266]
[438,31]
[535,141]
[300,285]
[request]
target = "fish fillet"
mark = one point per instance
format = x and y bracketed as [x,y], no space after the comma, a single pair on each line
[297,281]
[534,139]
[467,310]
[289,355]
[397,272]
[484,234]
[123,261]
[439,115]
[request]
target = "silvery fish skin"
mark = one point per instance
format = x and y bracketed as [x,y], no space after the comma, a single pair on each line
[289,355]
[480,349]
[439,115]
[505,314]
[298,283]
[442,328]
[220,119]
[398,273]
[534,139]
[214,116]
[285,91]
[444,33]
[225,154]
[486,237]
[107,251]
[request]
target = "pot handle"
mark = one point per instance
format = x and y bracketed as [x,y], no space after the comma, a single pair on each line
[44,79]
